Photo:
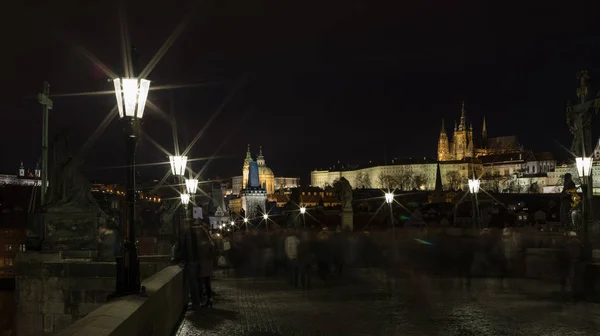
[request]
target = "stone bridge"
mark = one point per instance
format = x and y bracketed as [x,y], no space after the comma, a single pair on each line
[381,299]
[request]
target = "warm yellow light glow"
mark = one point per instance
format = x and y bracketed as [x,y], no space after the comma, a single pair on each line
[191,185]
[178,164]
[584,166]
[185,199]
[389,197]
[131,96]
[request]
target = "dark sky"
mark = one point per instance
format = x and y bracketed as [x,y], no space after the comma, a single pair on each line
[326,80]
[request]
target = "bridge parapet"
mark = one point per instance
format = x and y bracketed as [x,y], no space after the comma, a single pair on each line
[158,314]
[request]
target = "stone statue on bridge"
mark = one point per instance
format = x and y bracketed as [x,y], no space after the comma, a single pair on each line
[69,190]
[71,218]
[343,189]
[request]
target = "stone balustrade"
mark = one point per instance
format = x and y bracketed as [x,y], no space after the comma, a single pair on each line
[158,314]
[53,292]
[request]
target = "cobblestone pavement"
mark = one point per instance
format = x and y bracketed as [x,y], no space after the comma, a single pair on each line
[364,302]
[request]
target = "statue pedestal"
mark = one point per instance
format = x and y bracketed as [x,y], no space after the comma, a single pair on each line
[347,220]
[64,231]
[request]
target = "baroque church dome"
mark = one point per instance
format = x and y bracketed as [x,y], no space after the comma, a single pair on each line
[265,174]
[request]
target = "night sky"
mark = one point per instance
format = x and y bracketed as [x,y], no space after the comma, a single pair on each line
[324,80]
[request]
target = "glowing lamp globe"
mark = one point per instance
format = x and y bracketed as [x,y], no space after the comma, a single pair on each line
[232,223]
[131,96]
[474,186]
[266,216]
[191,185]
[185,199]
[389,197]
[584,166]
[245,220]
[178,164]
[303,210]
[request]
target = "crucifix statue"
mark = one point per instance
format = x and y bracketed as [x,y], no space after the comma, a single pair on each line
[579,117]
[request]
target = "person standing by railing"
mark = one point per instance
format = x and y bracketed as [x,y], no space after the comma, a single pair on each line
[207,254]
[291,253]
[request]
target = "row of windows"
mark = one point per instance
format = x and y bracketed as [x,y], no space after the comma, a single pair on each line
[14,247]
[6,262]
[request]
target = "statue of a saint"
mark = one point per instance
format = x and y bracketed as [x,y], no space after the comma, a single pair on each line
[579,117]
[69,189]
[344,191]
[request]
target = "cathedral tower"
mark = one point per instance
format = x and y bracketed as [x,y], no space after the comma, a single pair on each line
[443,145]
[260,159]
[484,134]
[460,136]
[246,166]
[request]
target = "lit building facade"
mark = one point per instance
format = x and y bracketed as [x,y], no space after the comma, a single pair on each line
[407,176]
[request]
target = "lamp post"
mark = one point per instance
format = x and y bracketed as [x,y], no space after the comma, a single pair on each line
[191,185]
[473,190]
[303,213]
[246,223]
[584,169]
[131,94]
[178,164]
[389,199]
[266,218]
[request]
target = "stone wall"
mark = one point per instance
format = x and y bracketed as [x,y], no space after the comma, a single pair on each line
[158,314]
[53,292]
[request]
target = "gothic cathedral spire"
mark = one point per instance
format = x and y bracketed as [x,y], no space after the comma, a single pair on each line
[463,119]
[484,134]
[248,155]
[443,145]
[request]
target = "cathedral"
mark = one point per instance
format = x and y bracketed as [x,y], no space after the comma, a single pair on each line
[265,174]
[463,145]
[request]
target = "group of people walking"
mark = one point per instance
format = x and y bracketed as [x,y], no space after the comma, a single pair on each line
[196,252]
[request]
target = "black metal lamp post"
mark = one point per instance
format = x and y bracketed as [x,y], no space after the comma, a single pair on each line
[473,190]
[131,99]
[178,166]
[584,169]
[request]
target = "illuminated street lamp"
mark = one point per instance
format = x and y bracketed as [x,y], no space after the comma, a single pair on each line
[178,164]
[474,186]
[191,185]
[131,94]
[185,199]
[266,218]
[303,212]
[584,166]
[246,223]
[473,190]
[389,199]
[584,169]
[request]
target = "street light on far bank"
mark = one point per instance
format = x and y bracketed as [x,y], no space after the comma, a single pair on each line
[303,210]
[389,197]
[131,95]
[266,216]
